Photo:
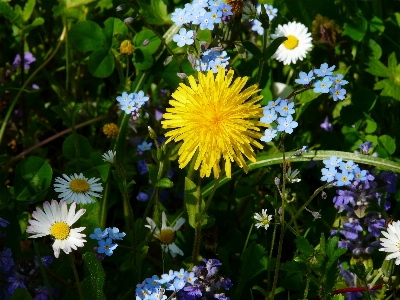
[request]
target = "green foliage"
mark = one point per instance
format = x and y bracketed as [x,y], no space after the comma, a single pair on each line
[21,294]
[390,86]
[92,285]
[254,261]
[32,179]
[76,146]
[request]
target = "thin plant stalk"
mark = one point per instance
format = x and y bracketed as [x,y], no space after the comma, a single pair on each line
[77,282]
[104,209]
[14,102]
[282,233]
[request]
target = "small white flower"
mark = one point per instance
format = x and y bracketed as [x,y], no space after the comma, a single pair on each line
[263,218]
[296,46]
[392,242]
[167,234]
[56,220]
[77,188]
[109,156]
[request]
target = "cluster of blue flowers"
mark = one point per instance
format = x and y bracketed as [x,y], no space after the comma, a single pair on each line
[23,273]
[202,13]
[342,172]
[106,240]
[278,117]
[271,12]
[212,60]
[362,225]
[131,103]
[328,84]
[200,283]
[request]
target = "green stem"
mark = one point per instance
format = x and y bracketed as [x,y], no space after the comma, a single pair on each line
[77,282]
[306,289]
[42,270]
[247,238]
[104,208]
[211,196]
[270,257]
[317,191]
[14,102]
[262,62]
[282,233]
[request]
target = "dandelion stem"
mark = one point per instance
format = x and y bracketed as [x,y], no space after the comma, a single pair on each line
[77,282]
[14,102]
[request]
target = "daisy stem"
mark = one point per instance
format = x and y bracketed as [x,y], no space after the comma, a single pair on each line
[42,270]
[77,282]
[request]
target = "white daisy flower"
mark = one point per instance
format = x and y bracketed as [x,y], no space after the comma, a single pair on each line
[77,188]
[56,220]
[296,46]
[167,234]
[263,218]
[392,242]
[109,156]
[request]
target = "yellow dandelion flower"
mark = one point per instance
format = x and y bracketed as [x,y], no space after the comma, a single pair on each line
[214,118]
[111,130]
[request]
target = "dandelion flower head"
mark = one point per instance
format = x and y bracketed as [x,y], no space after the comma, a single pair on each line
[215,118]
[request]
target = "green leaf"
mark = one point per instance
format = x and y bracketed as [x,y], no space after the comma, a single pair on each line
[371,126]
[7,11]
[294,266]
[113,26]
[153,172]
[392,62]
[142,58]
[356,28]
[389,88]
[75,3]
[28,9]
[376,25]
[307,96]
[191,201]
[338,297]
[253,49]
[271,49]
[87,36]
[261,290]
[254,261]
[364,99]
[304,246]
[154,12]
[77,108]
[101,63]
[21,294]
[69,147]
[32,179]
[375,48]
[388,143]
[92,285]
[150,36]
[165,183]
[35,23]
[377,68]
[62,114]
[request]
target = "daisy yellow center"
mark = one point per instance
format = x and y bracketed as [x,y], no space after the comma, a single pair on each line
[79,185]
[291,43]
[60,230]
[166,236]
[215,119]
[265,221]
